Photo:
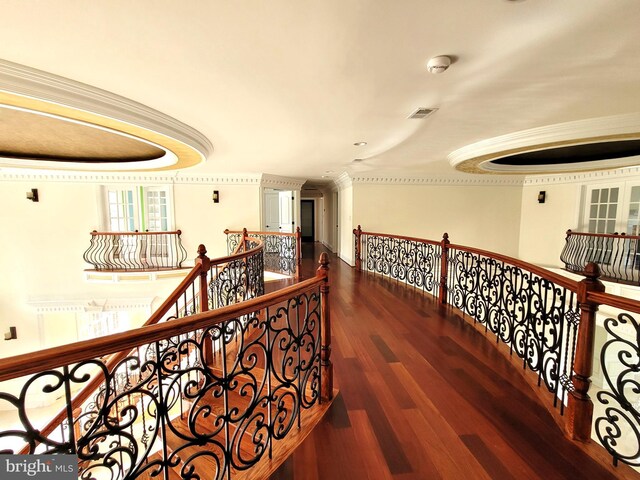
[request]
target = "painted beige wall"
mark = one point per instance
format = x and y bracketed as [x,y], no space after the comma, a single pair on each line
[544,225]
[41,247]
[346,213]
[486,217]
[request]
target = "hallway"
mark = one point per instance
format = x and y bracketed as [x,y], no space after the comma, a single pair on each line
[424,395]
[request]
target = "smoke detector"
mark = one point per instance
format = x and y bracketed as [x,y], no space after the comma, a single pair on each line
[438,64]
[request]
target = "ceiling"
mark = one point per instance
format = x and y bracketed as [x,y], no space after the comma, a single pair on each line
[287,87]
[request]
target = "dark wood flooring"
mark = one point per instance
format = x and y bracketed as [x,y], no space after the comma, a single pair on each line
[423,395]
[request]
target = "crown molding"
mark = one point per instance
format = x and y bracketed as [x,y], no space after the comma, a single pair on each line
[286,183]
[619,174]
[40,91]
[343,181]
[475,158]
[434,180]
[180,178]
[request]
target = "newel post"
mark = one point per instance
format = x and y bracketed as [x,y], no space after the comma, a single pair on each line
[580,406]
[358,233]
[205,265]
[326,367]
[245,237]
[444,269]
[298,252]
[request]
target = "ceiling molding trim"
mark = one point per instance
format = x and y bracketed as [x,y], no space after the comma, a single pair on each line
[33,89]
[343,181]
[475,158]
[285,183]
[439,180]
[25,175]
[620,174]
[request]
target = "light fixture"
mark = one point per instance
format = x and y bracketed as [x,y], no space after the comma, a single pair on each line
[542,196]
[12,334]
[33,195]
[360,144]
[438,64]
[216,196]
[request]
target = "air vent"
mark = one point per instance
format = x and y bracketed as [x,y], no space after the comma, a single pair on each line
[422,112]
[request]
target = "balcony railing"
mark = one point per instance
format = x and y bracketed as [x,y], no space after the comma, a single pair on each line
[282,251]
[618,256]
[135,251]
[546,321]
[195,391]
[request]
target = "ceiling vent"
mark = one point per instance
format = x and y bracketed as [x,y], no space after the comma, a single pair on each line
[422,112]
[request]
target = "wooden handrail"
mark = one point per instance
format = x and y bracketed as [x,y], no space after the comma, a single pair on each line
[156,317]
[542,272]
[556,278]
[251,232]
[605,235]
[95,233]
[401,237]
[614,301]
[50,358]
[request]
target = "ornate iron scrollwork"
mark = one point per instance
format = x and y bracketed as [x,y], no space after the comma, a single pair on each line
[210,418]
[619,428]
[412,262]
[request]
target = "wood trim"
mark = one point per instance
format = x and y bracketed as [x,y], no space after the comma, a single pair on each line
[401,237]
[615,301]
[95,233]
[604,235]
[281,234]
[542,272]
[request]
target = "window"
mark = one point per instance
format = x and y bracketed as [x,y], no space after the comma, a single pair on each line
[603,210]
[137,208]
[633,218]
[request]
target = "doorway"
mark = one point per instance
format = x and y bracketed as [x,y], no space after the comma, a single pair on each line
[278,211]
[307,220]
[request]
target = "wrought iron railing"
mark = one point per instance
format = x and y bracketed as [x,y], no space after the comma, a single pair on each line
[220,282]
[201,396]
[282,251]
[135,251]
[548,321]
[618,256]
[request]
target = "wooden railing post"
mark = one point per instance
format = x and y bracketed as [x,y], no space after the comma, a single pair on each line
[358,233]
[245,237]
[298,252]
[580,406]
[205,265]
[326,388]
[444,269]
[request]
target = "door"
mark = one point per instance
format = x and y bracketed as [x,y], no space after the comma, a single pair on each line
[286,212]
[271,211]
[307,220]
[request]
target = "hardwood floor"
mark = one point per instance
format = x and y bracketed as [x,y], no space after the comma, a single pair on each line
[423,395]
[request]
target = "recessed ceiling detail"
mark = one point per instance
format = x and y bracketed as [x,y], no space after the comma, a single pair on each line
[587,145]
[50,122]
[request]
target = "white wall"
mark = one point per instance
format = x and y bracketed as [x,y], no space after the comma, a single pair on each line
[328,221]
[345,220]
[544,225]
[41,247]
[486,217]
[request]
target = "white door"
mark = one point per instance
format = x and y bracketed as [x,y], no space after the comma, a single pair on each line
[286,212]
[272,211]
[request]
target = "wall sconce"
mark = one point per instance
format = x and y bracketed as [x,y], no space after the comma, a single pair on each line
[12,334]
[542,196]
[33,195]
[216,196]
